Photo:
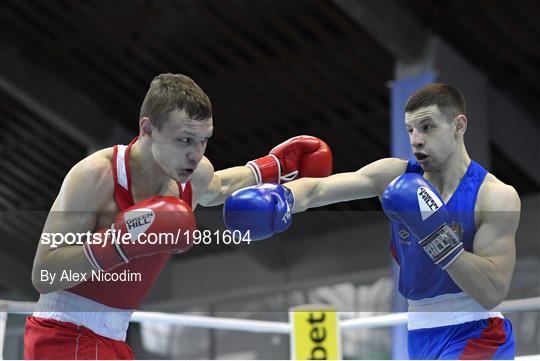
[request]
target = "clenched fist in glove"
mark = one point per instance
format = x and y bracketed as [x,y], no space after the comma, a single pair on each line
[301,156]
[261,210]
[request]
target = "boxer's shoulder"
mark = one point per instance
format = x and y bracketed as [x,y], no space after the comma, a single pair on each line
[203,174]
[97,167]
[89,179]
[495,195]
[497,211]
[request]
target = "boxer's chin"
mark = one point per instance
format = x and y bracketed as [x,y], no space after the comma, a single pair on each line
[426,164]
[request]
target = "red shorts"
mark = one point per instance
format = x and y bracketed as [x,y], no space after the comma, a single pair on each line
[51,339]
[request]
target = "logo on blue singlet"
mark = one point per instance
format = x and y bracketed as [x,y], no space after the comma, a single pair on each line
[403,235]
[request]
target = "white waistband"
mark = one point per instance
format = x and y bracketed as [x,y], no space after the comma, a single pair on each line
[446,310]
[68,307]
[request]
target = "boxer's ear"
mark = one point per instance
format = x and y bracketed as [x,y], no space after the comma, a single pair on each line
[145,127]
[461,124]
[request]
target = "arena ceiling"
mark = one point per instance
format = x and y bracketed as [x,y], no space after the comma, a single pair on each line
[273,69]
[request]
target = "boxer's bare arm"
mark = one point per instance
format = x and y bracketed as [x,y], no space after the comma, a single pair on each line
[369,181]
[212,188]
[486,273]
[86,189]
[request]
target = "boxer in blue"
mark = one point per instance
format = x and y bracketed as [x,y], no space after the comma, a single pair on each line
[453,228]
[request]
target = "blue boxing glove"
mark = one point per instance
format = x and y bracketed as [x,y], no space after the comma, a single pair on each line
[413,201]
[261,210]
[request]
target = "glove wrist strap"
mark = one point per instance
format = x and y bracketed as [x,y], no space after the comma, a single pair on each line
[443,246]
[266,169]
[106,254]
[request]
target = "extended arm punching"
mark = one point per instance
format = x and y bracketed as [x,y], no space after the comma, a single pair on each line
[299,195]
[301,156]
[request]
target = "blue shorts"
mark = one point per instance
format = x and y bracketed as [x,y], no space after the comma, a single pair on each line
[489,339]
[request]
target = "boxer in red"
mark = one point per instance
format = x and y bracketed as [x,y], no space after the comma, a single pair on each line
[148,187]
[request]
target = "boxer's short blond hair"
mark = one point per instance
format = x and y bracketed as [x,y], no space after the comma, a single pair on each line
[169,92]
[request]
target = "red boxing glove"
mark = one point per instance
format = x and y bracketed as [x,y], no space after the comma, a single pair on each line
[301,156]
[157,216]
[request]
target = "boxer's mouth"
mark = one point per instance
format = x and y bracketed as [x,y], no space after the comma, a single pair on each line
[421,157]
[187,171]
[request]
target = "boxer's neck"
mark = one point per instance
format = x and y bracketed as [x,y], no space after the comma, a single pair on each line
[146,175]
[447,179]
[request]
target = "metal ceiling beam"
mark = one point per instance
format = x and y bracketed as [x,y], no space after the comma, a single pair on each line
[389,24]
[46,95]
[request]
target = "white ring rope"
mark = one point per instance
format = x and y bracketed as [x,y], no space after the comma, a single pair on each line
[217,323]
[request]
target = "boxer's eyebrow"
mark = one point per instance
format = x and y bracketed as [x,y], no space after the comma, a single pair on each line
[187,132]
[191,134]
[424,120]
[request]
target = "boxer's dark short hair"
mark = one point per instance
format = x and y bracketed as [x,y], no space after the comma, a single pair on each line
[449,100]
[169,92]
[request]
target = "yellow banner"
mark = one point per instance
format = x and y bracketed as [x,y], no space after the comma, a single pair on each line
[315,333]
